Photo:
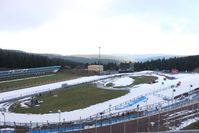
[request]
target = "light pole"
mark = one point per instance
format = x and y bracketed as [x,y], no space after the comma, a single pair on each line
[159,118]
[59,111]
[4,118]
[190,92]
[99,59]
[110,118]
[152,124]
[173,95]
[110,113]
[110,109]
[96,123]
[146,106]
[172,102]
[101,113]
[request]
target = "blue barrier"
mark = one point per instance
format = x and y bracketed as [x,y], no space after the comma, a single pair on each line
[113,120]
[79,127]
[55,130]
[6,131]
[98,123]
[130,103]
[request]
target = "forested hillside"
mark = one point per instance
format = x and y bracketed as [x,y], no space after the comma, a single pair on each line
[187,63]
[18,59]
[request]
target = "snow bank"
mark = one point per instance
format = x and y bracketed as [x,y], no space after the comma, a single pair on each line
[124,81]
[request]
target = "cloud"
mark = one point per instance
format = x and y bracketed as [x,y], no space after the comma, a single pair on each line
[21,15]
[17,15]
[80,33]
[173,14]
[84,26]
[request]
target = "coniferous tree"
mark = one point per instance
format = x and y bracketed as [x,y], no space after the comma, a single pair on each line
[17,59]
[188,63]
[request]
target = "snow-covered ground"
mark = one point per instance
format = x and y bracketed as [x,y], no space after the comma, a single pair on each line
[123,81]
[26,78]
[6,130]
[44,88]
[187,123]
[149,91]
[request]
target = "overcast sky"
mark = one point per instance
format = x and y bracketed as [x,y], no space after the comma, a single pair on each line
[119,26]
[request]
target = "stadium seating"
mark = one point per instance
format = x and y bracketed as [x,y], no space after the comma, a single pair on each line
[28,71]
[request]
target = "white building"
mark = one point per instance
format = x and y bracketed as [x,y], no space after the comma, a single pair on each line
[96,68]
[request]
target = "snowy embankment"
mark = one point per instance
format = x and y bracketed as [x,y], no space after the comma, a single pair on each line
[44,88]
[147,90]
[124,81]
[116,83]
[187,123]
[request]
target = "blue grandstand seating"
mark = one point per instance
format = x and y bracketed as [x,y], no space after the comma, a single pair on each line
[28,71]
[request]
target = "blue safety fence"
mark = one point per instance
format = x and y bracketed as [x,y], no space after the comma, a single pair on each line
[80,127]
[55,130]
[7,131]
[173,105]
[130,103]
[117,120]
[111,120]
[118,116]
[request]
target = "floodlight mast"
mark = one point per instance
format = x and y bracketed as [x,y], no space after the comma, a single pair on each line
[99,60]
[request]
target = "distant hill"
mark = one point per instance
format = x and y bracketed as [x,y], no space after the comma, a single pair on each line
[115,58]
[144,57]
[19,59]
[86,58]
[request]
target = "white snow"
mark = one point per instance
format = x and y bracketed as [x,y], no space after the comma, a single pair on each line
[147,90]
[187,123]
[22,104]
[43,88]
[6,129]
[26,78]
[124,81]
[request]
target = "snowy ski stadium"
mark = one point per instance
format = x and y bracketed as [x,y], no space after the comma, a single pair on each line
[164,102]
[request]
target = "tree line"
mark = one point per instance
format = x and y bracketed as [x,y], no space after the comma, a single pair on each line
[188,63]
[17,59]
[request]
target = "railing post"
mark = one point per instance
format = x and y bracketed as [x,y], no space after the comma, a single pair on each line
[124,127]
[137,127]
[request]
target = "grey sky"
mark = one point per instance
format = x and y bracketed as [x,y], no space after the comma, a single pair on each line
[184,12]
[16,15]
[118,26]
